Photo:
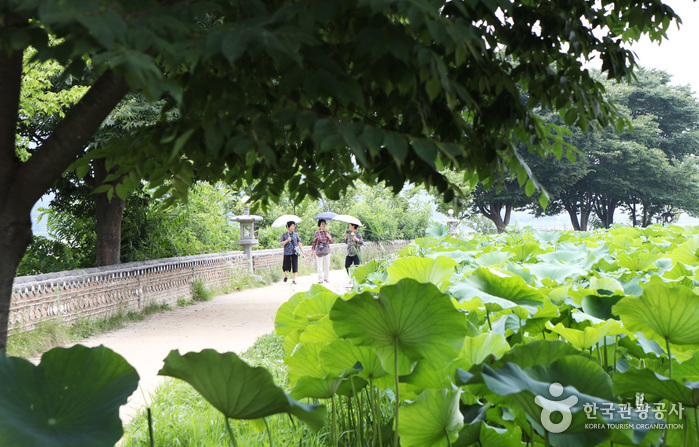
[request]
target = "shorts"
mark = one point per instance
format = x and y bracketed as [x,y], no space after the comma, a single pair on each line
[291,262]
[349,260]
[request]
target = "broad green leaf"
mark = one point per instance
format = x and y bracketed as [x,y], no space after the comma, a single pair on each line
[316,304]
[478,349]
[236,389]
[554,272]
[71,398]
[361,273]
[483,435]
[605,285]
[564,386]
[550,237]
[637,261]
[503,291]
[651,383]
[285,322]
[687,252]
[322,331]
[425,270]
[342,354]
[492,258]
[522,252]
[305,361]
[415,319]
[588,337]
[662,313]
[433,419]
[600,306]
[540,352]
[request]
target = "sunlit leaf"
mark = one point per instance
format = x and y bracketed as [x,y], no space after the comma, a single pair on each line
[415,319]
[661,313]
[432,418]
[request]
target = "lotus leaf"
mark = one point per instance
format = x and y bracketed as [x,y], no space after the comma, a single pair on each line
[236,389]
[662,313]
[71,398]
[412,318]
[437,271]
[433,419]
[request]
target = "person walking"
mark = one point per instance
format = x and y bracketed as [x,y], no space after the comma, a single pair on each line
[354,240]
[321,248]
[291,242]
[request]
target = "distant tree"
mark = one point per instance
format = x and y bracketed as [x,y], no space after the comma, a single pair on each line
[497,202]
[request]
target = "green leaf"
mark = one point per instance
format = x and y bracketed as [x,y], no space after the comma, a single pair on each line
[662,312]
[426,270]
[414,318]
[478,349]
[343,354]
[425,150]
[285,322]
[564,386]
[397,146]
[687,252]
[236,389]
[505,292]
[649,382]
[71,398]
[587,338]
[433,419]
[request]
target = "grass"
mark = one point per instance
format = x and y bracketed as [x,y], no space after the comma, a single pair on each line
[51,333]
[182,417]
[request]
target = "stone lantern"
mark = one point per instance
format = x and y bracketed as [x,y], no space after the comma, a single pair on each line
[452,223]
[247,233]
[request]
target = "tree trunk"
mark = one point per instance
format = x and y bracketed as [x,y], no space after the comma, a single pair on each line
[109,216]
[492,212]
[23,184]
[573,214]
[15,237]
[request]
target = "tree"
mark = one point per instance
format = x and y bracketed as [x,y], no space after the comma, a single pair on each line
[497,202]
[273,93]
[644,170]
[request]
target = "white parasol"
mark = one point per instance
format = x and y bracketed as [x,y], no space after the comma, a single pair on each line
[283,219]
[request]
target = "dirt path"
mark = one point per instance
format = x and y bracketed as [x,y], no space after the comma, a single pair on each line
[226,323]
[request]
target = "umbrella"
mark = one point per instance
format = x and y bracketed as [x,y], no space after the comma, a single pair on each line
[347,219]
[282,220]
[327,215]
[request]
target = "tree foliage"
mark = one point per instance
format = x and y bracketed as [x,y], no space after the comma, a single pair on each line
[273,93]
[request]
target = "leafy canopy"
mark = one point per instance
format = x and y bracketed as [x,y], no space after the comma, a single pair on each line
[397,89]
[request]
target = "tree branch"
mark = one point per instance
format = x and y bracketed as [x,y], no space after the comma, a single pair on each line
[70,137]
[11,82]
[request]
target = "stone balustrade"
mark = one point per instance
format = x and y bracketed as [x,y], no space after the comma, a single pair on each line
[102,292]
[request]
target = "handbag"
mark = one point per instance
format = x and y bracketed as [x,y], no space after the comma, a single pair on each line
[322,250]
[297,251]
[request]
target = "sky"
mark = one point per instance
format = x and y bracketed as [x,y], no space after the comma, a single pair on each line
[678,54]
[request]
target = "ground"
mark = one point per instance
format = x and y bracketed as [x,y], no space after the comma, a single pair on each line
[226,323]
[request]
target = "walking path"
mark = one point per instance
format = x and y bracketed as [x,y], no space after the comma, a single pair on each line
[226,323]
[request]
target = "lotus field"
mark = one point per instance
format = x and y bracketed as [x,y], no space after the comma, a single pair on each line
[539,338]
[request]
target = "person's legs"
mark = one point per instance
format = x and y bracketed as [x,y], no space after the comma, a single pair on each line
[319,266]
[348,262]
[295,266]
[326,265]
[286,266]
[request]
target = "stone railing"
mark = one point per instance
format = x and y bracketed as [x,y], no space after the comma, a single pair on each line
[102,292]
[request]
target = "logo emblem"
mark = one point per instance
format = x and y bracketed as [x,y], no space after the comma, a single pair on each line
[552,406]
